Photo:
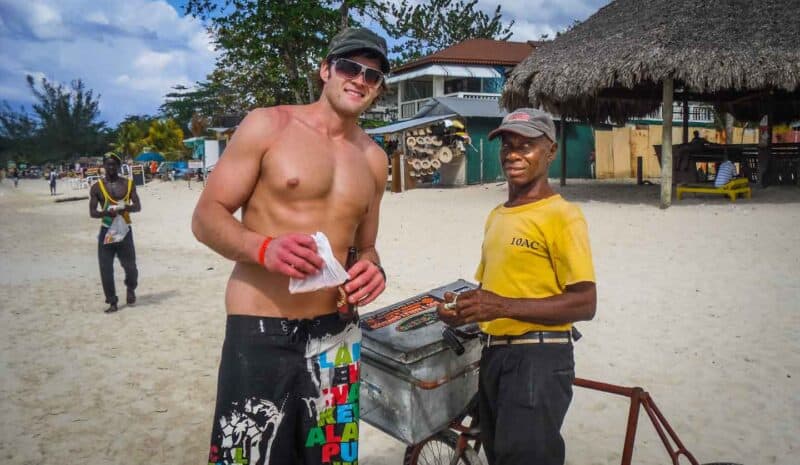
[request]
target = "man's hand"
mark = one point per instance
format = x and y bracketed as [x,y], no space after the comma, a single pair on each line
[293,255]
[366,283]
[473,306]
[114,210]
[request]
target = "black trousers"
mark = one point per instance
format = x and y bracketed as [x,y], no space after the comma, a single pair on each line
[126,253]
[524,393]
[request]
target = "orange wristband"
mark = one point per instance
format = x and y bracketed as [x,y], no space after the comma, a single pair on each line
[262,251]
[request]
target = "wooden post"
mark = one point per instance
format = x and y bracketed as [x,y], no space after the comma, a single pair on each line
[639,180]
[685,101]
[767,172]
[666,145]
[562,143]
[397,169]
[480,153]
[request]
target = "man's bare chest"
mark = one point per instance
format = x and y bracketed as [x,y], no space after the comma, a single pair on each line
[117,189]
[311,169]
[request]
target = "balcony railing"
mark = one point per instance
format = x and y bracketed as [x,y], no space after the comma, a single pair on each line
[474,95]
[410,108]
[697,113]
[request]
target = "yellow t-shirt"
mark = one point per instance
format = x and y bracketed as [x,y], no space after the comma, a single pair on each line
[533,251]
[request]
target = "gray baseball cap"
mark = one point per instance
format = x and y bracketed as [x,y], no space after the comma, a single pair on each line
[358,38]
[527,122]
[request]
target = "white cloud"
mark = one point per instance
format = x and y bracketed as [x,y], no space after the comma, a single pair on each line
[131,53]
[150,61]
[98,17]
[536,17]
[524,30]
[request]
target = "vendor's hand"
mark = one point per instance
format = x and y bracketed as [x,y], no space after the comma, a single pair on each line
[447,310]
[366,283]
[293,255]
[473,306]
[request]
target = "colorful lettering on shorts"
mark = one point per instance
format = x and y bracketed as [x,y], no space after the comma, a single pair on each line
[336,433]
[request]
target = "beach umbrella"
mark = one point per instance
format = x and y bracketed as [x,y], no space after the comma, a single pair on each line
[150,156]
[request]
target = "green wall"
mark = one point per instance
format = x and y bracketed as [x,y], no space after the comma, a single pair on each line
[580,142]
[478,130]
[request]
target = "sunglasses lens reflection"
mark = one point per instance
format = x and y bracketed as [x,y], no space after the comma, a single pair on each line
[351,69]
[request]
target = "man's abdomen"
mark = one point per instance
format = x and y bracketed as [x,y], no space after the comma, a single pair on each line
[252,290]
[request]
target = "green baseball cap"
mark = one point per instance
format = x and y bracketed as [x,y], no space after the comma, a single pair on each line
[112,156]
[354,39]
[527,122]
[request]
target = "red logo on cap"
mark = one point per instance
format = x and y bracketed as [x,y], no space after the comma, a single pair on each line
[519,117]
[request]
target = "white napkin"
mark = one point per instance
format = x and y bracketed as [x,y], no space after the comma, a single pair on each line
[332,273]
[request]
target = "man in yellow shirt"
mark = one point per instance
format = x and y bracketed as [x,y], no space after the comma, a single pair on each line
[537,278]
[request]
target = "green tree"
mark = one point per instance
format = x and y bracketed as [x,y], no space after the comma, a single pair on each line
[427,27]
[18,135]
[269,48]
[207,99]
[166,137]
[67,118]
[129,139]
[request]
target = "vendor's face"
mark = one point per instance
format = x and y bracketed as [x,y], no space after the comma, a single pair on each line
[525,159]
[111,167]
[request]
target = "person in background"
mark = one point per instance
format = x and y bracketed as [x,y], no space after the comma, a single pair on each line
[52,177]
[725,172]
[116,195]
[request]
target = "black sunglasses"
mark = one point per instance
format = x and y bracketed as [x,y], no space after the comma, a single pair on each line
[351,69]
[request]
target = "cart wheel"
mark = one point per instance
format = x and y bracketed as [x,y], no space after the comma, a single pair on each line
[439,449]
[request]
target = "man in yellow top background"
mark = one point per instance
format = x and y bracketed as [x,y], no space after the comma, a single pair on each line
[118,192]
[536,278]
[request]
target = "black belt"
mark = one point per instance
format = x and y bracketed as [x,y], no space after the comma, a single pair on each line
[533,337]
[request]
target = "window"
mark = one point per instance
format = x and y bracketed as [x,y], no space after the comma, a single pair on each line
[451,86]
[418,89]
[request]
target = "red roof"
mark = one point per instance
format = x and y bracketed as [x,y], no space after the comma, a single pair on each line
[476,52]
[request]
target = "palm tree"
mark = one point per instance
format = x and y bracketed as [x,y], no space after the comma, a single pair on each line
[166,136]
[130,140]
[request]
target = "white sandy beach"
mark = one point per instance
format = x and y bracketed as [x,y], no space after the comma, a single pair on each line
[699,304]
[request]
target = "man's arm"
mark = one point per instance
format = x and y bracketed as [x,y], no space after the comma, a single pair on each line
[93,195]
[577,303]
[366,280]
[235,177]
[135,205]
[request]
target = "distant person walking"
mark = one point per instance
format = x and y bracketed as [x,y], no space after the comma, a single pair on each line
[16,177]
[53,178]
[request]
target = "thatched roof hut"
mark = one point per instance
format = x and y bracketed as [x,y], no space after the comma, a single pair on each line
[741,55]
[613,64]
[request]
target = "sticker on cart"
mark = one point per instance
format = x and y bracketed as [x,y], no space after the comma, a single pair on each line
[418,321]
[398,312]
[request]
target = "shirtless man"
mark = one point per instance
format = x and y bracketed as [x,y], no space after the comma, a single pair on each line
[116,195]
[288,387]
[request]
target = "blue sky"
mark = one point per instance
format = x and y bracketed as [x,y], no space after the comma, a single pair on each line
[132,52]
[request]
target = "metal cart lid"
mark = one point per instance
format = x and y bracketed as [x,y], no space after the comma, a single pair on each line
[410,330]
